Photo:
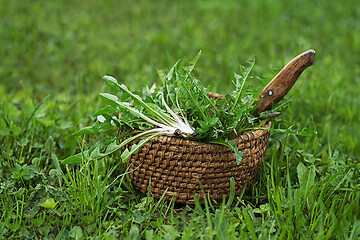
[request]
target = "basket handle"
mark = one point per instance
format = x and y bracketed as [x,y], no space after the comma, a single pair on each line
[281,84]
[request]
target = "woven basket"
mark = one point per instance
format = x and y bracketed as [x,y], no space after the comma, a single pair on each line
[184,167]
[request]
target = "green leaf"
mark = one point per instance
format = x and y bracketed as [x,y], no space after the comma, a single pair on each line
[113,146]
[49,145]
[301,170]
[249,223]
[306,177]
[232,193]
[49,203]
[86,131]
[46,121]
[95,153]
[171,232]
[111,82]
[149,234]
[192,63]
[172,72]
[76,233]
[192,97]
[74,159]
[233,146]
[110,99]
[150,110]
[108,110]
[125,154]
[134,232]
[240,82]
[208,123]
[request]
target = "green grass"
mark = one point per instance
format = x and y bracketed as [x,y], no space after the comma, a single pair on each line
[309,186]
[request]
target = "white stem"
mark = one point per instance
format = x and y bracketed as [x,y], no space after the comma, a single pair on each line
[183,126]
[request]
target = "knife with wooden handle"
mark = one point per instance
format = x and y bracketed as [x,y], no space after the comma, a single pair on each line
[281,84]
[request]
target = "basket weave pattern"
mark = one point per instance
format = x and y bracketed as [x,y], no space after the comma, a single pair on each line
[185,167]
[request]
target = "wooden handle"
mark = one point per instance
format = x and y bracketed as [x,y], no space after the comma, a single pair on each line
[281,84]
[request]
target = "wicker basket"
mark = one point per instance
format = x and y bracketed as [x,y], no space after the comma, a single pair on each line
[184,167]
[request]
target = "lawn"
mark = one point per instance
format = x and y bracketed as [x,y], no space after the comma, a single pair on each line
[53,55]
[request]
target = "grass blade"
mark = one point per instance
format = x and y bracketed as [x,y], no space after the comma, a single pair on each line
[35,110]
[232,193]
[249,223]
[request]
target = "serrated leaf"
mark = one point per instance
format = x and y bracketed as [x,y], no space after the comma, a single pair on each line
[112,147]
[125,154]
[192,63]
[233,146]
[95,153]
[172,71]
[240,82]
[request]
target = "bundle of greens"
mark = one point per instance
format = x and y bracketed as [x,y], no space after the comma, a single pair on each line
[179,107]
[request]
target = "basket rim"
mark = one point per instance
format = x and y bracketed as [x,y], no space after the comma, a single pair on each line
[178,140]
